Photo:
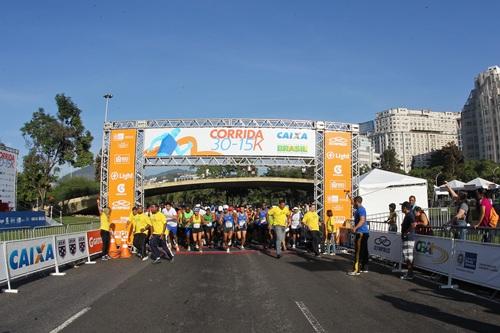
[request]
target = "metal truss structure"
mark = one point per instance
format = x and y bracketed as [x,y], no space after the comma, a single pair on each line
[141,162]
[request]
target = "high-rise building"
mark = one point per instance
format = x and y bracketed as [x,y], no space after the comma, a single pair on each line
[481,118]
[414,134]
[366,153]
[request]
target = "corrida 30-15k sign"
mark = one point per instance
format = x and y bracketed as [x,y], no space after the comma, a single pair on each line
[234,141]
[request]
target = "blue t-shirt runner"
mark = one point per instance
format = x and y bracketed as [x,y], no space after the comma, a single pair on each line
[364,228]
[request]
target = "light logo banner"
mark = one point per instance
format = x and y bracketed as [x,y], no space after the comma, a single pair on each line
[121,179]
[229,141]
[337,174]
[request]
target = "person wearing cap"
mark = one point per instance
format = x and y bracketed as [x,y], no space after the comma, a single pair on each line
[158,233]
[208,225]
[227,221]
[460,218]
[362,232]
[195,222]
[296,219]
[281,220]
[408,237]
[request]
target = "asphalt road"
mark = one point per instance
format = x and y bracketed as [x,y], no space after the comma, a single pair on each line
[240,292]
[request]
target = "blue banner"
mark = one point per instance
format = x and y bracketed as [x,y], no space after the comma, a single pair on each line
[10,220]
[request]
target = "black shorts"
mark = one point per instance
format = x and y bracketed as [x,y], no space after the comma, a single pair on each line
[196,230]
[295,231]
[208,228]
[242,228]
[228,229]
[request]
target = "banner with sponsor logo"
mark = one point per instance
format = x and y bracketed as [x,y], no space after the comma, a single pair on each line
[22,219]
[8,174]
[234,141]
[71,247]
[3,269]
[121,179]
[28,256]
[337,174]
[385,245]
[95,241]
[433,253]
[477,263]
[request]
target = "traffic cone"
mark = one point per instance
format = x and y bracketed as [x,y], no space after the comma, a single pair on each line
[124,251]
[113,250]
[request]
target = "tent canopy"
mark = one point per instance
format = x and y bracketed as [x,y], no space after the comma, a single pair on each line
[378,178]
[479,183]
[454,184]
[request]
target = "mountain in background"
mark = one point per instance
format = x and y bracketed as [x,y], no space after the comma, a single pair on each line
[87,172]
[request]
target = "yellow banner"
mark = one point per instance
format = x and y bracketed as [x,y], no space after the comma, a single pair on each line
[121,179]
[337,175]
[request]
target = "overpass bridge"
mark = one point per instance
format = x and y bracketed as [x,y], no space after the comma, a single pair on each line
[87,204]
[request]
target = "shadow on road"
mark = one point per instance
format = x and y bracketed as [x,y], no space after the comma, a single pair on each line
[439,314]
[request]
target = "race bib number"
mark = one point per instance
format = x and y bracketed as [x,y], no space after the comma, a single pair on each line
[242,223]
[229,224]
[263,221]
[209,224]
[196,226]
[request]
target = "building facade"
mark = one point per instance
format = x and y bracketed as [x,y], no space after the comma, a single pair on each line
[414,134]
[481,118]
[366,153]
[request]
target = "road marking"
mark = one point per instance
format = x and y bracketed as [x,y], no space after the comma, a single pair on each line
[310,318]
[70,320]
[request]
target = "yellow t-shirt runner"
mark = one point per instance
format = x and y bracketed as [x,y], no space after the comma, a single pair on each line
[104,222]
[311,219]
[279,216]
[140,223]
[158,221]
[330,225]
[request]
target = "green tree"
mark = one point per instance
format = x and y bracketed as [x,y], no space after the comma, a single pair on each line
[74,187]
[53,141]
[389,161]
[449,158]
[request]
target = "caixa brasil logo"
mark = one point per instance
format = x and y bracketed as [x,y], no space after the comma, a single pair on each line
[429,249]
[28,256]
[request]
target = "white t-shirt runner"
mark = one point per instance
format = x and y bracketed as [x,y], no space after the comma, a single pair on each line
[171,216]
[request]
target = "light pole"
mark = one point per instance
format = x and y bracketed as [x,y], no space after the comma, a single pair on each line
[437,177]
[108,96]
[495,172]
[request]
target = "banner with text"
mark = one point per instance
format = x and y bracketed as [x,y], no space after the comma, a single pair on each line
[386,245]
[71,247]
[8,174]
[121,178]
[433,253]
[95,241]
[229,141]
[28,256]
[3,269]
[477,263]
[337,174]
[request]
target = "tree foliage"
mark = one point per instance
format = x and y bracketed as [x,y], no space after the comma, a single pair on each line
[389,161]
[53,141]
[449,157]
[74,188]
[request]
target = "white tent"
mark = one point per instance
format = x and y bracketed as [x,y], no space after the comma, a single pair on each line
[454,184]
[479,183]
[379,188]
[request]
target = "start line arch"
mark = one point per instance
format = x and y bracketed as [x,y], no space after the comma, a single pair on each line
[331,148]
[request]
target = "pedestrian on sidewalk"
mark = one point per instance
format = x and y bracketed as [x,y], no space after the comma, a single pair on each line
[408,236]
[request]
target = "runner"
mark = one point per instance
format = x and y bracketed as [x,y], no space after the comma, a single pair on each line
[219,228]
[105,213]
[208,226]
[188,213]
[295,226]
[171,216]
[195,222]
[311,220]
[280,221]
[141,223]
[331,234]
[227,221]
[241,226]
[262,225]
[159,230]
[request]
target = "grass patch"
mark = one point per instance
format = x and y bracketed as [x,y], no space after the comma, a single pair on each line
[78,219]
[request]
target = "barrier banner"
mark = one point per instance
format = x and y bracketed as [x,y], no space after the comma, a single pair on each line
[95,241]
[71,247]
[433,253]
[337,175]
[121,179]
[3,269]
[346,238]
[28,256]
[233,141]
[386,245]
[8,176]
[22,219]
[477,263]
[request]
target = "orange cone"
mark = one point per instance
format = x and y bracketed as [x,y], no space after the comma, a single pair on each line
[113,250]
[124,251]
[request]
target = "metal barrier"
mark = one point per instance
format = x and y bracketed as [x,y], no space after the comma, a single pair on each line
[27,233]
[438,217]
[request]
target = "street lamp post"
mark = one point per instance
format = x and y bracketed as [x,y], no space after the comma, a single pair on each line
[437,177]
[108,96]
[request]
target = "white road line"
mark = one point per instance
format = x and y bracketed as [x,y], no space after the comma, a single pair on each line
[70,320]
[310,318]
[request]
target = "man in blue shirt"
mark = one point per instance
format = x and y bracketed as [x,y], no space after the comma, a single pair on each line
[361,230]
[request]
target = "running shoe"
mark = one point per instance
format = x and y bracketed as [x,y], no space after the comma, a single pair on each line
[144,258]
[104,258]
[293,246]
[230,242]
[406,277]
[332,253]
[353,273]
[157,260]
[227,250]
[189,248]
[278,256]
[197,247]
[242,247]
[177,248]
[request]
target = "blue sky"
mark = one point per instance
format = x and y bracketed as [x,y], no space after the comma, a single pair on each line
[332,60]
